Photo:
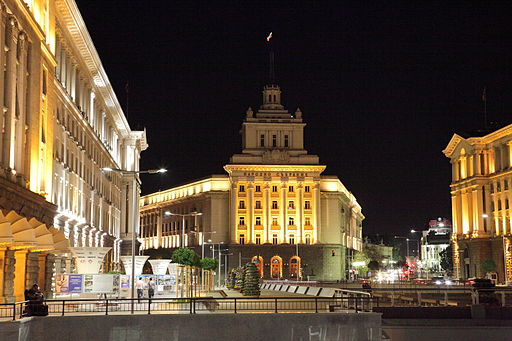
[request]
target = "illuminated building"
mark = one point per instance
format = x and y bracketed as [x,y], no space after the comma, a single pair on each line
[480,192]
[273,203]
[433,241]
[62,124]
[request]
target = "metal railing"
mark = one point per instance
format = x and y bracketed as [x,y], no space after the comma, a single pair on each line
[195,305]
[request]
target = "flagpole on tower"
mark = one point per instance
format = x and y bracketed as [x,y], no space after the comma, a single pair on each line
[271,73]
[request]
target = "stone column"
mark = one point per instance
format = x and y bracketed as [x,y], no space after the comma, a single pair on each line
[250,211]
[10,92]
[20,274]
[316,210]
[268,216]
[3,22]
[19,124]
[9,262]
[159,240]
[300,211]
[233,212]
[283,209]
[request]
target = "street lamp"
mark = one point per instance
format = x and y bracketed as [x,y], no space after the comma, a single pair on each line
[417,243]
[127,172]
[192,214]
[407,240]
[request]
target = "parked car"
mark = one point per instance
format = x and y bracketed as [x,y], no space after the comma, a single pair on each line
[441,281]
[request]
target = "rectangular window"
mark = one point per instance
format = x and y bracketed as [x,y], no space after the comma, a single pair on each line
[274,140]
[241,205]
[505,184]
[286,143]
[506,204]
[491,188]
[307,189]
[308,239]
[242,221]
[274,189]
[499,205]
[258,220]
[241,239]
[274,220]
[307,205]
[291,221]
[258,205]
[241,188]
[291,239]
[262,140]
[498,186]
[45,82]
[258,239]
[274,239]
[274,205]
[258,188]
[291,205]
[307,221]
[290,189]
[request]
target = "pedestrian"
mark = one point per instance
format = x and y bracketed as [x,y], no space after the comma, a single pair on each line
[140,289]
[151,288]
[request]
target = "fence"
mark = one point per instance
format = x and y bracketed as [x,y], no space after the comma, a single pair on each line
[194,305]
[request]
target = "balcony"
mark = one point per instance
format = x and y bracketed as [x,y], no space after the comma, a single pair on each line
[242,227]
[275,227]
[258,227]
[292,227]
[308,227]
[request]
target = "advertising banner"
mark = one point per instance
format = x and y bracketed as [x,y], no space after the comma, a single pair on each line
[101,284]
[66,284]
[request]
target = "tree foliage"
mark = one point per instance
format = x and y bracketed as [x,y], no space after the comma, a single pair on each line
[239,278]
[209,263]
[373,265]
[446,259]
[488,265]
[185,256]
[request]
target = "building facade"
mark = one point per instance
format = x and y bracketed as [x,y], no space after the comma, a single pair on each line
[273,207]
[480,192]
[62,124]
[434,241]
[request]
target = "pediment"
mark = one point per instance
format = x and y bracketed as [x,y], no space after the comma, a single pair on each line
[456,145]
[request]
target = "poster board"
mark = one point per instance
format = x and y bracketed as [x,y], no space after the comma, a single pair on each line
[101,284]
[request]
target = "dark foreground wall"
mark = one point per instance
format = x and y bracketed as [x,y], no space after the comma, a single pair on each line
[207,327]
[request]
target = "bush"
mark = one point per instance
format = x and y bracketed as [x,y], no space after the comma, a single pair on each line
[251,280]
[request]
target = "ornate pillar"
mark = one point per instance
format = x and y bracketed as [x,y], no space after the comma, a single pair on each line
[233,211]
[19,124]
[316,210]
[10,92]
[268,216]
[3,23]
[283,210]
[300,218]
[250,211]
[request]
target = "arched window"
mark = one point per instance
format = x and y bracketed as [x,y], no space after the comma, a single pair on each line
[295,268]
[276,267]
[258,261]
[275,101]
[269,98]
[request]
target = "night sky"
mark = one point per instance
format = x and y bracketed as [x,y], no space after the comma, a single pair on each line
[382,87]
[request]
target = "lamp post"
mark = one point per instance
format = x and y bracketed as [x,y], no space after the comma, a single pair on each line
[134,173]
[413,231]
[192,214]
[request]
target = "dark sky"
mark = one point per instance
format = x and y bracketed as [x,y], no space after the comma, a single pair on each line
[382,87]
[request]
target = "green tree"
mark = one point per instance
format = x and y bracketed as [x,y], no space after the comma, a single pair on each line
[251,280]
[360,262]
[446,259]
[209,263]
[488,265]
[185,256]
[231,279]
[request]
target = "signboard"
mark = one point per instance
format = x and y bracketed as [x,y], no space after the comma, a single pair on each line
[124,281]
[89,259]
[68,284]
[101,284]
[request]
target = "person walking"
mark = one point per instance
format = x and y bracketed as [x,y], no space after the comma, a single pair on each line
[140,289]
[151,288]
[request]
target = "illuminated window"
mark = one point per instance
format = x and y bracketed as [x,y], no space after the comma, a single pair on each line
[307,221]
[258,220]
[274,239]
[258,188]
[258,204]
[274,205]
[291,239]
[308,239]
[274,188]
[242,221]
[291,221]
[307,189]
[45,82]
[498,187]
[274,220]
[258,239]
[286,143]
[241,239]
[241,205]
[241,188]
[291,205]
[274,140]
[290,189]
[307,205]
[262,140]
[499,205]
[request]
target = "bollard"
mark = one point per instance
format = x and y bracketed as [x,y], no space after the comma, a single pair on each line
[446,297]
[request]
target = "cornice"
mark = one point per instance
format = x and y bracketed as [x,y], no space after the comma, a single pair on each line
[274,168]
